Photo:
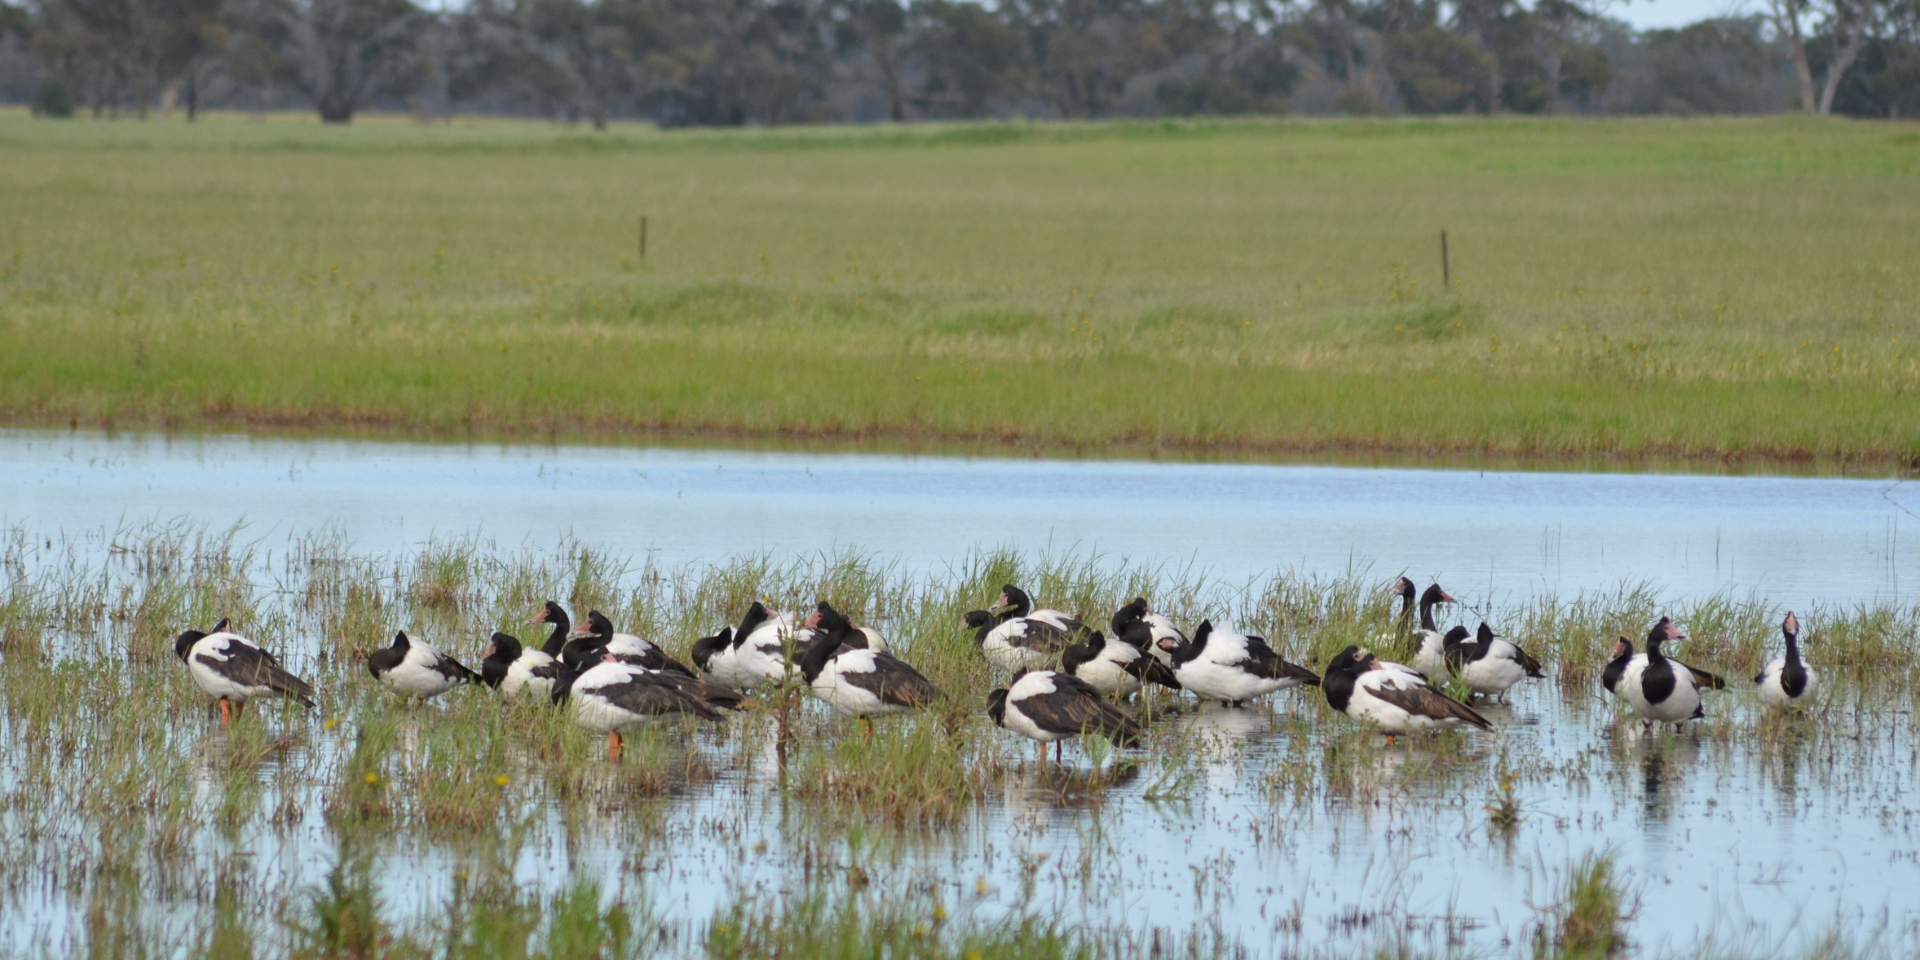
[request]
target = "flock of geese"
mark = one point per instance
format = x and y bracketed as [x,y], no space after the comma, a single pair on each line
[1067,679]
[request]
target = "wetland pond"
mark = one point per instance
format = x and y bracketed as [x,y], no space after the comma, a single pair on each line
[1277,830]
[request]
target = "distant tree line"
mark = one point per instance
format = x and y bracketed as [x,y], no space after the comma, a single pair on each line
[721,62]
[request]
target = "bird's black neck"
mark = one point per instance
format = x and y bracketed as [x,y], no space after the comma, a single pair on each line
[557,640]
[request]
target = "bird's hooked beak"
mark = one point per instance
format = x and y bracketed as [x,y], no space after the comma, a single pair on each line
[1001,601]
[1168,644]
[492,648]
[1673,632]
[580,632]
[539,616]
[813,620]
[1791,625]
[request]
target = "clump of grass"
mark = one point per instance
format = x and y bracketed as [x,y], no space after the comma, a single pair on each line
[919,768]
[916,925]
[1586,923]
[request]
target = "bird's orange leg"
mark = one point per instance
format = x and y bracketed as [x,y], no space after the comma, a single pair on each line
[867,722]
[613,746]
[1389,739]
[226,712]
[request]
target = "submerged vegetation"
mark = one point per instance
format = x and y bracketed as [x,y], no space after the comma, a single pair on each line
[1704,289]
[475,827]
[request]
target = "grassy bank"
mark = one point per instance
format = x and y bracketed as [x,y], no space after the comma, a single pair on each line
[1704,289]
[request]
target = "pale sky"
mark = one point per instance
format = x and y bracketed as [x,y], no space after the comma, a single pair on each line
[1650,14]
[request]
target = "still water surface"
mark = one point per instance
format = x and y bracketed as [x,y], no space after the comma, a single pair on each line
[1499,535]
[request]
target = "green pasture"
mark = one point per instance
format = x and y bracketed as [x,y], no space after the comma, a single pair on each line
[1621,289]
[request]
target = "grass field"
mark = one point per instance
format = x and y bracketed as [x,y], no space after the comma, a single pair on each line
[1708,289]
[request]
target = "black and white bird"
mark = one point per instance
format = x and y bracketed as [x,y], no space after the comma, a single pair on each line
[1429,644]
[512,669]
[414,669]
[1233,668]
[1159,627]
[1118,667]
[1660,690]
[766,650]
[710,653]
[1788,683]
[1026,638]
[233,669]
[859,681]
[597,635]
[1391,697]
[1050,706]
[1623,655]
[1492,664]
[613,695]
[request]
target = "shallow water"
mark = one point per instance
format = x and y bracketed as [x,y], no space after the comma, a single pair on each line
[1287,838]
[1497,536]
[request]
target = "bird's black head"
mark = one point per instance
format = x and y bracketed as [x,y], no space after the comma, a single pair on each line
[997,706]
[599,625]
[550,612]
[976,619]
[1664,631]
[1435,594]
[1129,614]
[1484,634]
[183,644]
[705,647]
[1790,627]
[755,616]
[505,647]
[400,641]
[220,627]
[829,621]
[1348,663]
[1622,647]
[1403,588]
[1012,596]
[1455,637]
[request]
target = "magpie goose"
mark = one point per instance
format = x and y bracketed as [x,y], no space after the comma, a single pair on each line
[766,649]
[856,681]
[512,669]
[714,657]
[1159,627]
[233,669]
[1660,690]
[414,669]
[1623,655]
[1027,638]
[1049,706]
[598,634]
[1391,697]
[1104,664]
[1231,667]
[613,695]
[1788,683]
[1429,644]
[1492,663]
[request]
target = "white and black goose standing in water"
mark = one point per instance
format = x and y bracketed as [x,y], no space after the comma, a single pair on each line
[1492,664]
[597,635]
[1391,697]
[414,669]
[512,669]
[1429,644]
[711,655]
[766,650]
[1623,655]
[233,669]
[1121,666]
[1050,706]
[1159,627]
[1233,668]
[1659,689]
[613,695]
[1026,638]
[859,681]
[1788,683]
